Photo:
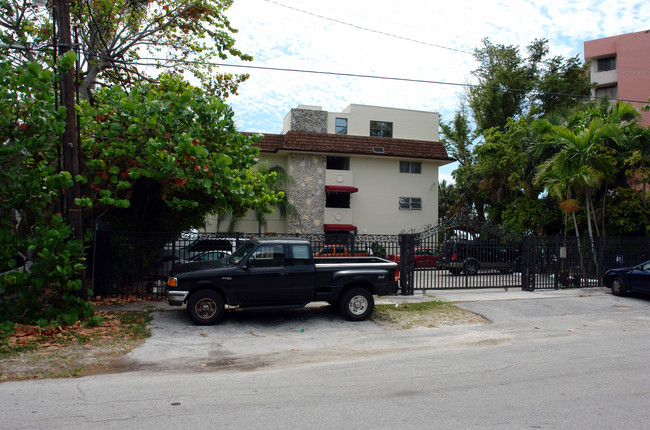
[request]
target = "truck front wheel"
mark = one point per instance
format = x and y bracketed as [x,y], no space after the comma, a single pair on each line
[356,304]
[206,307]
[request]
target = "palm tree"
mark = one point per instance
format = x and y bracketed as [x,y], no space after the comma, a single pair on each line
[580,159]
[559,185]
[620,117]
[279,182]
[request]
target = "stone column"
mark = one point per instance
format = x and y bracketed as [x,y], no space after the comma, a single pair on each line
[308,192]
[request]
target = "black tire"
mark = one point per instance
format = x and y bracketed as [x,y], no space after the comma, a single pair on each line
[206,307]
[618,287]
[471,268]
[455,271]
[356,304]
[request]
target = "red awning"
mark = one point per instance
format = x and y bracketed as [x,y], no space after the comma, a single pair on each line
[339,227]
[340,189]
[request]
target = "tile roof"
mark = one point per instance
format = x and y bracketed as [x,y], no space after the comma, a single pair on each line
[303,141]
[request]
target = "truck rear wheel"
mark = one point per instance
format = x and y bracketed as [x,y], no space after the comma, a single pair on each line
[206,307]
[471,268]
[356,304]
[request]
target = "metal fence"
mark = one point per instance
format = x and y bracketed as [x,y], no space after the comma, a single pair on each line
[441,257]
[137,264]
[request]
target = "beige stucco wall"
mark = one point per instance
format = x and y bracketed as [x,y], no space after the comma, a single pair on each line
[375,208]
[407,124]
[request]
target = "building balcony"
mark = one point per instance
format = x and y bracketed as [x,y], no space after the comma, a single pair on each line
[604,78]
[343,178]
[339,216]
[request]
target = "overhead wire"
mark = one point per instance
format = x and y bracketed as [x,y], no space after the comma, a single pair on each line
[154,62]
[365,76]
[341,74]
[358,27]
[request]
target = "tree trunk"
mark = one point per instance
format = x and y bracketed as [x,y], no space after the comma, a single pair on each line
[589,228]
[582,266]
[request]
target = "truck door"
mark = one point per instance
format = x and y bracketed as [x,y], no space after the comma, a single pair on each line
[263,278]
[302,273]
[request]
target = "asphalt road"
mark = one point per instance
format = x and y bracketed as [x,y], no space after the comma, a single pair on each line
[549,361]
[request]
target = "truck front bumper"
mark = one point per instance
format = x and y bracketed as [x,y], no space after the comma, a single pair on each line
[176,298]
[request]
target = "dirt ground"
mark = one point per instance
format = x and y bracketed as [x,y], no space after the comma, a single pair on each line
[81,351]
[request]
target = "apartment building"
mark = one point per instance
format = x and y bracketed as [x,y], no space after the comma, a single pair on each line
[620,68]
[367,169]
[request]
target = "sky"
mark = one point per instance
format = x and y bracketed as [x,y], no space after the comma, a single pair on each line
[412,40]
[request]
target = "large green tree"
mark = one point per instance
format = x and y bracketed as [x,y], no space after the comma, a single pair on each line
[510,90]
[458,138]
[511,86]
[163,156]
[580,159]
[126,41]
[38,260]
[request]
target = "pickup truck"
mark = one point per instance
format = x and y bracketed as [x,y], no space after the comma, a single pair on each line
[279,273]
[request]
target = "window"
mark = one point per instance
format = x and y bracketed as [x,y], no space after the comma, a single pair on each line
[410,203]
[335,199]
[611,92]
[381,128]
[268,256]
[338,163]
[341,126]
[301,255]
[410,167]
[606,64]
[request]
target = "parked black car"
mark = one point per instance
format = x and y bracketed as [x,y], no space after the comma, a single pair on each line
[629,279]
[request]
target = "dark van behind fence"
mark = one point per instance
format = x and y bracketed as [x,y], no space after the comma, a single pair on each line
[459,255]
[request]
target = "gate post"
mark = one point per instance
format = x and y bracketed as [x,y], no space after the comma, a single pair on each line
[528,263]
[407,263]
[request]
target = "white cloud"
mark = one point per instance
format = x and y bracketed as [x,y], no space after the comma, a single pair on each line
[287,38]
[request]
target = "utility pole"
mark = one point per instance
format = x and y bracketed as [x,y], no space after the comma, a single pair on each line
[70,142]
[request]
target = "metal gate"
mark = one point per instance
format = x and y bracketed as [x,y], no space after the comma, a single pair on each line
[463,253]
[460,253]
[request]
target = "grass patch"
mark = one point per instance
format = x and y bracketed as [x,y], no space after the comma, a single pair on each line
[428,314]
[136,324]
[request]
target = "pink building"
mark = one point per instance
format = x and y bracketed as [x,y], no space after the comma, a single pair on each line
[621,68]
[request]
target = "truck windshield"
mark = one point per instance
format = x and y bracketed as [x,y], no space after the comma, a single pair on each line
[241,252]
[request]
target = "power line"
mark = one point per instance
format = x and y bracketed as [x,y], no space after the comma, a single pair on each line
[155,62]
[358,27]
[387,78]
